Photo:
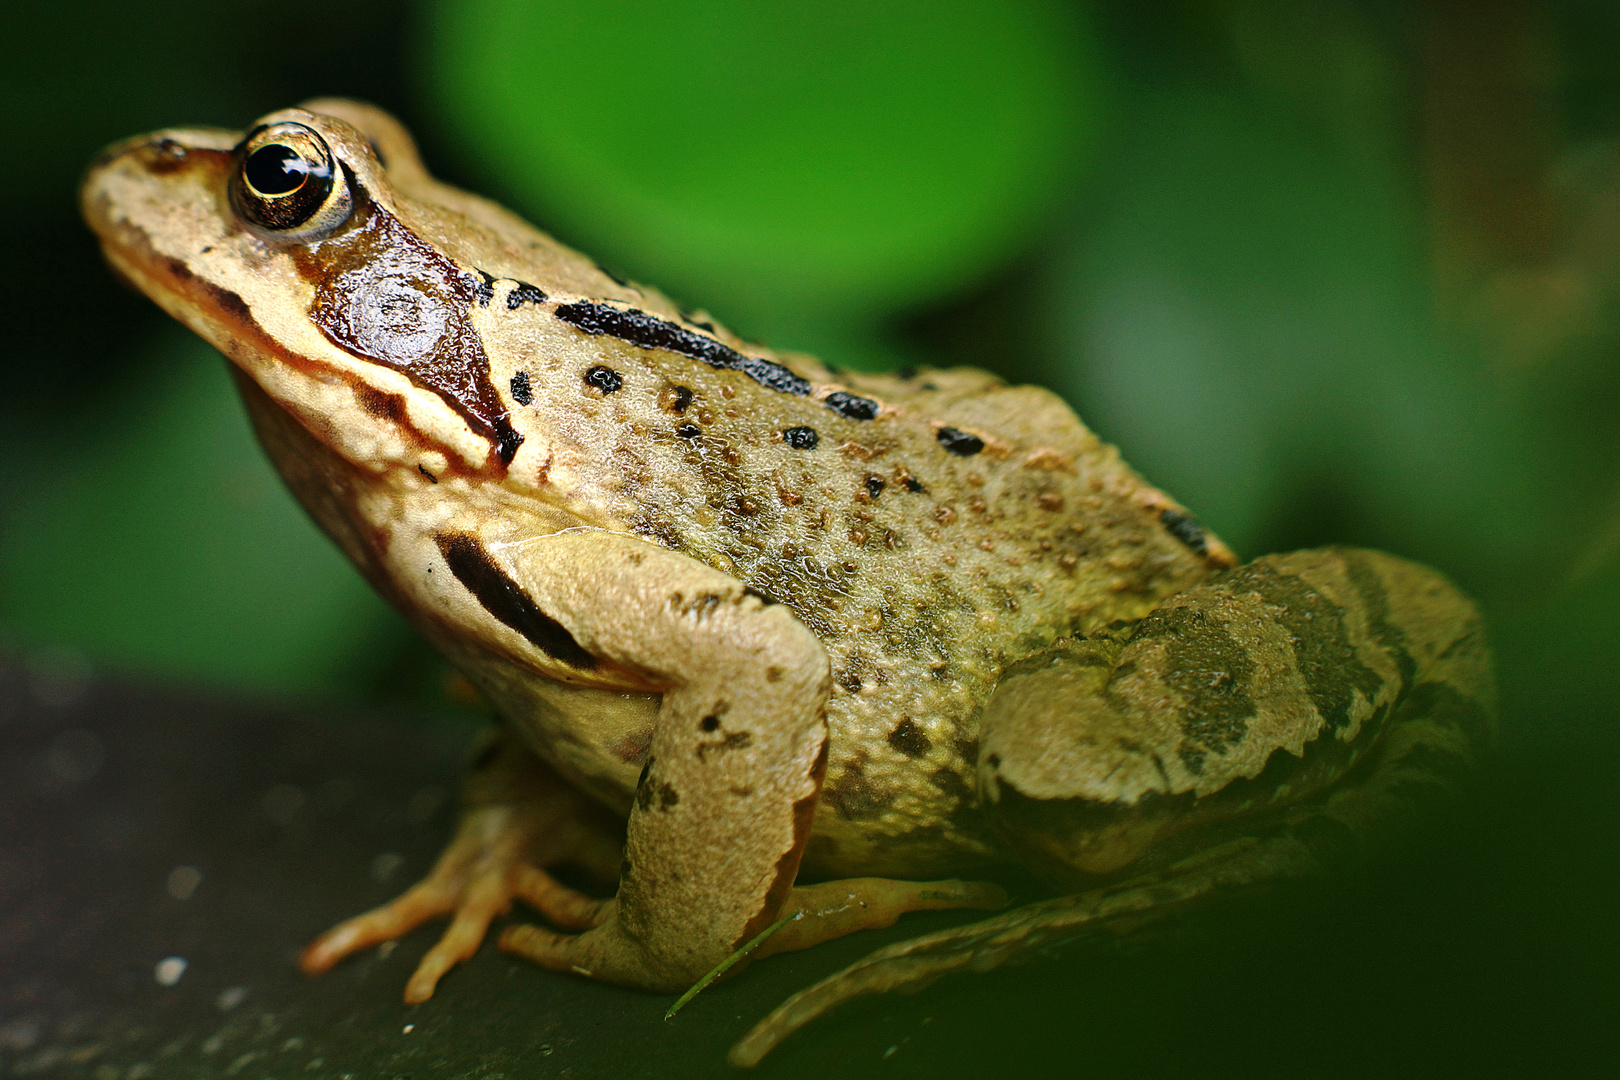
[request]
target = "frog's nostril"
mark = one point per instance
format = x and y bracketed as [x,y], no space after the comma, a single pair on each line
[167,155]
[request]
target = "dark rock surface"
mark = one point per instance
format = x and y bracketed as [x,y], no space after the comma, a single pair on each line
[139,825]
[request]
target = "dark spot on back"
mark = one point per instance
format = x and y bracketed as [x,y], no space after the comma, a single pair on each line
[431,478]
[506,601]
[951,784]
[874,486]
[959,442]
[604,379]
[710,723]
[521,392]
[853,795]
[1184,527]
[801,438]
[524,293]
[910,739]
[484,288]
[688,431]
[675,399]
[649,332]
[180,270]
[850,406]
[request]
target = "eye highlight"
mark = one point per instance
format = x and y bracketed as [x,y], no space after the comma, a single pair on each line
[286,182]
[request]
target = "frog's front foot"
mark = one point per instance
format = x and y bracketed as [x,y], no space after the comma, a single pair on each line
[519,821]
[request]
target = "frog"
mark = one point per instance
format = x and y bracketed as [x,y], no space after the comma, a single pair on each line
[778,651]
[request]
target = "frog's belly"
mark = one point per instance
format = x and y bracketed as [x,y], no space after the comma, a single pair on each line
[871,821]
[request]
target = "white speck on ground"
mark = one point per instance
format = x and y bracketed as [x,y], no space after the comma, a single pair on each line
[183,881]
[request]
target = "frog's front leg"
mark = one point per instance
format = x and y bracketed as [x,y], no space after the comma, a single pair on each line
[724,805]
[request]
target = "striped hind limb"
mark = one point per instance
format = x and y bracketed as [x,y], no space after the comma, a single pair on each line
[1282,720]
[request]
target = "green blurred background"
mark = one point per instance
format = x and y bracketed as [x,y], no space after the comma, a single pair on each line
[1327,270]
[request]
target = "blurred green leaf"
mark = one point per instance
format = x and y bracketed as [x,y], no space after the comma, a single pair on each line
[789,165]
[1247,310]
[165,541]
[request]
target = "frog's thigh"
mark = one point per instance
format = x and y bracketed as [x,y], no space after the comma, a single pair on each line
[723,808]
[1400,677]
[1255,690]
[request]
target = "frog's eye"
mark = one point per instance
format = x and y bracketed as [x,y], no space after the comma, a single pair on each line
[287,183]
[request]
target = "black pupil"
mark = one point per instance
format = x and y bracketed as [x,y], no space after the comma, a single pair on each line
[276,170]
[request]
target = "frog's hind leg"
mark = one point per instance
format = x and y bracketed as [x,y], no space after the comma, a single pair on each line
[518,819]
[1376,706]
[810,915]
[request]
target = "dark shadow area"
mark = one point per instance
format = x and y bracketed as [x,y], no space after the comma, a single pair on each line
[1490,952]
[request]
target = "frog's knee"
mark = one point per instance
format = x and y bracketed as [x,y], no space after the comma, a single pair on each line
[1257,689]
[1074,784]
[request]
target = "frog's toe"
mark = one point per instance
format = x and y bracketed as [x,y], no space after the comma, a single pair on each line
[481,901]
[559,952]
[562,906]
[427,900]
[495,858]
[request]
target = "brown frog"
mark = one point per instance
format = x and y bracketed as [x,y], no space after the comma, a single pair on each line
[769,640]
